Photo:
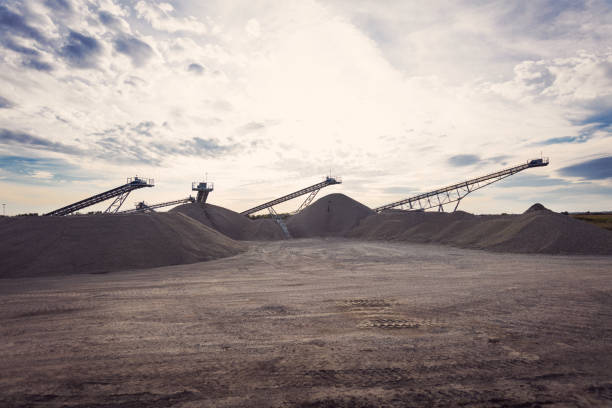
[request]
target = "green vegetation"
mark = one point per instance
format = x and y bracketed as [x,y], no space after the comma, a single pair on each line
[601,220]
[281,215]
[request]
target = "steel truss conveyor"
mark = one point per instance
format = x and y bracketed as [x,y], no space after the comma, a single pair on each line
[313,190]
[143,207]
[456,192]
[119,194]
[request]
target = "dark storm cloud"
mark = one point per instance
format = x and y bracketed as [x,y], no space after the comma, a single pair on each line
[155,152]
[598,121]
[596,169]
[134,81]
[5,103]
[126,151]
[600,118]
[461,160]
[12,45]
[502,160]
[538,18]
[144,142]
[197,146]
[27,140]
[138,51]
[550,10]
[62,6]
[195,68]
[12,23]
[144,128]
[37,65]
[563,139]
[108,19]
[208,147]
[81,51]
[23,168]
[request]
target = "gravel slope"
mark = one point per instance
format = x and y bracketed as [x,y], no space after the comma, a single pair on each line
[39,246]
[231,223]
[332,215]
[538,230]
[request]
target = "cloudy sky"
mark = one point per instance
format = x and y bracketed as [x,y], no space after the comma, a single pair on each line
[266,97]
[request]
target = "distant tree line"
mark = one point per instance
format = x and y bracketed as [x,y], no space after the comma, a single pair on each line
[281,215]
[75,213]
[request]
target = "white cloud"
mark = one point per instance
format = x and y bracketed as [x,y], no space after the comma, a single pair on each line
[252,28]
[383,95]
[39,174]
[581,79]
[160,18]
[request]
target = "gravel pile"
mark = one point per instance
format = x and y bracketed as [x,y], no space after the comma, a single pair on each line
[231,223]
[536,207]
[332,215]
[43,246]
[538,230]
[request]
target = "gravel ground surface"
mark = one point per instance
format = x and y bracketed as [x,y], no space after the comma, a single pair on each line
[315,323]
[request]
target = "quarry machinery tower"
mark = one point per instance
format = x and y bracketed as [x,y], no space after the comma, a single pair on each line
[203,188]
[456,192]
[118,193]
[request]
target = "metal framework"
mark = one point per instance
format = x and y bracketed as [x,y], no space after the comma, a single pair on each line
[203,188]
[143,207]
[280,222]
[456,192]
[306,202]
[314,189]
[118,193]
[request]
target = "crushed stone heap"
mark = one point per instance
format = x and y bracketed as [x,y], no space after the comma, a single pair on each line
[45,246]
[332,215]
[538,230]
[231,223]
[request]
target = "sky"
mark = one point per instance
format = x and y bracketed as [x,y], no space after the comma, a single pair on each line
[263,98]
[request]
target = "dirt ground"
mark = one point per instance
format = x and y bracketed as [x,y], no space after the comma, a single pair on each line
[315,323]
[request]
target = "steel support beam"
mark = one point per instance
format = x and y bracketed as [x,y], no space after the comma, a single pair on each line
[142,207]
[279,221]
[461,190]
[117,202]
[328,182]
[307,201]
[119,193]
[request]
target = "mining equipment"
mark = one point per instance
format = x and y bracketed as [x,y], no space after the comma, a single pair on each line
[456,192]
[312,191]
[203,188]
[144,207]
[118,193]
